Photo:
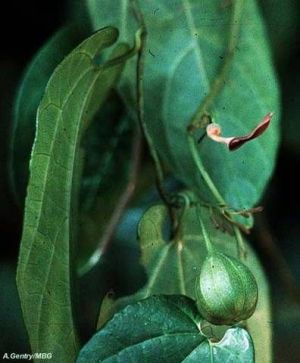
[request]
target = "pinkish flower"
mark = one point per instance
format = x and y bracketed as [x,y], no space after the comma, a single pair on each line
[214,132]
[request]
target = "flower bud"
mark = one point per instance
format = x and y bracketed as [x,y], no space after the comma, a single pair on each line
[226,290]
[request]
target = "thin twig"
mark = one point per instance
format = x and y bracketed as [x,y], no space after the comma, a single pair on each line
[140,97]
[125,198]
[127,194]
[215,89]
[202,115]
[141,117]
[206,177]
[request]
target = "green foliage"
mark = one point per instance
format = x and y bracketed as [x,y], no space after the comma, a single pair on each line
[142,333]
[102,143]
[189,44]
[199,66]
[75,91]
[173,266]
[28,98]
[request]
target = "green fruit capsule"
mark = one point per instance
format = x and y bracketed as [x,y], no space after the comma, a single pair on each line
[226,290]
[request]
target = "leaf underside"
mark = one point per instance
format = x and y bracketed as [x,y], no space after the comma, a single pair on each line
[28,98]
[75,91]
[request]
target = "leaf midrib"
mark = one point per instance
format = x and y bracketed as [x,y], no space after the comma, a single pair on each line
[43,295]
[46,172]
[193,30]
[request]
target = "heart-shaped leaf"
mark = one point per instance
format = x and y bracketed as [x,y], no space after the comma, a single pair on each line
[213,52]
[164,329]
[172,266]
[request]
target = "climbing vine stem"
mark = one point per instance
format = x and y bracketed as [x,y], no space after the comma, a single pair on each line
[240,242]
[197,159]
[208,244]
[142,33]
[199,119]
[213,189]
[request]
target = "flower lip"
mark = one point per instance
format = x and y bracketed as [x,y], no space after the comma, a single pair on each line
[214,132]
[237,142]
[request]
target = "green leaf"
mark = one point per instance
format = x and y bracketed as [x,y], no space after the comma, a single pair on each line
[105,151]
[189,41]
[76,89]
[234,347]
[172,266]
[163,329]
[28,98]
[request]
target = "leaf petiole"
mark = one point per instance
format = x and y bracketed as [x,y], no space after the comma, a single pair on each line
[197,159]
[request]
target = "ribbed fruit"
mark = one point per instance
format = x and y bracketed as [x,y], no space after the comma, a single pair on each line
[226,290]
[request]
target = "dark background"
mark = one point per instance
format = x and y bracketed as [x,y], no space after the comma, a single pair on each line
[25,26]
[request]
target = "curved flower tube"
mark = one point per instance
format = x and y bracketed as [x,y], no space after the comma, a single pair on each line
[213,131]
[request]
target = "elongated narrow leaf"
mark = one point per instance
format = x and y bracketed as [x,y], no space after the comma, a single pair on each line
[189,42]
[163,329]
[76,89]
[27,101]
[173,266]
